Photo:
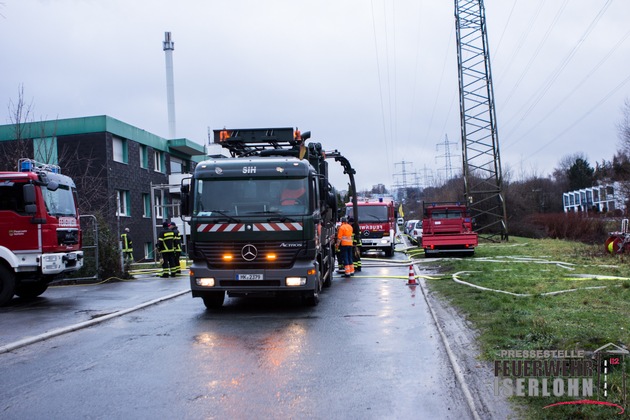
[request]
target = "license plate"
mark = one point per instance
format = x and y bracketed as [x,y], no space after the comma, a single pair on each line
[249,277]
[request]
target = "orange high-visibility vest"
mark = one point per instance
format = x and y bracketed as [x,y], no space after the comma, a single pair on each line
[344,234]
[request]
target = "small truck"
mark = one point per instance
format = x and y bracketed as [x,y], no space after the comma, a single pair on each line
[40,232]
[447,229]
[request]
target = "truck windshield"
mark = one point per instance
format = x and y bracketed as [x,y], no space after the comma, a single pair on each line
[251,197]
[59,202]
[370,214]
[446,214]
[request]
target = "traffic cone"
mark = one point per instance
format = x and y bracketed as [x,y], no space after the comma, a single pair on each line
[412,277]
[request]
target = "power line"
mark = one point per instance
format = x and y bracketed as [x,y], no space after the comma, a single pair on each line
[540,94]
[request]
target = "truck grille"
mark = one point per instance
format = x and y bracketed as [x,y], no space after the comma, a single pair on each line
[372,234]
[213,252]
[68,236]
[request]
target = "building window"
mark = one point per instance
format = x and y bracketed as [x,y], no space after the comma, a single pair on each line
[158,207]
[158,161]
[120,150]
[148,250]
[175,207]
[122,200]
[146,205]
[144,157]
[176,165]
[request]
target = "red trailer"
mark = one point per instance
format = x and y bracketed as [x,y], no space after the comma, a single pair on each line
[447,228]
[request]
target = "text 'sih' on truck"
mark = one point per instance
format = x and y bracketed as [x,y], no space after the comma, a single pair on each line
[40,236]
[262,222]
[447,229]
[377,223]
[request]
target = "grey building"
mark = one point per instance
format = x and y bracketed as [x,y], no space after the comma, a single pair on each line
[124,173]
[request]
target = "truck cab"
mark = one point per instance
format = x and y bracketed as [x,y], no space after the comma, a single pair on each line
[262,221]
[40,235]
[377,224]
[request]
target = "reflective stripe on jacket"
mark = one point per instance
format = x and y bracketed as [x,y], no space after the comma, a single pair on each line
[177,241]
[126,243]
[165,241]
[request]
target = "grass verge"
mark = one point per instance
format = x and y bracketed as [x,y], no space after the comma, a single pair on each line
[559,295]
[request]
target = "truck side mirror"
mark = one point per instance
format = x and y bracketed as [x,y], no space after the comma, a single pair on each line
[184,206]
[28,190]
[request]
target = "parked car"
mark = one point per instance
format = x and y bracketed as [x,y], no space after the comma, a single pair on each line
[410,224]
[416,232]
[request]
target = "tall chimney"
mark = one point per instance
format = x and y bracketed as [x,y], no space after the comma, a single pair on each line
[169,47]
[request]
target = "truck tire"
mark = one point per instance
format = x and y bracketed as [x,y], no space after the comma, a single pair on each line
[311,298]
[31,290]
[7,285]
[214,300]
[389,251]
[331,267]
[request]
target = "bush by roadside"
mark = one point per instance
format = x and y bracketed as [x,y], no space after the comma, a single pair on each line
[572,226]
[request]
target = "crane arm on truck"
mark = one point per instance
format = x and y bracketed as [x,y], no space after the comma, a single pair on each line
[348,170]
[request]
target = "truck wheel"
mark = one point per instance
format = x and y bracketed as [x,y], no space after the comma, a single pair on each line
[214,300]
[7,285]
[330,268]
[328,278]
[32,290]
[311,298]
[389,251]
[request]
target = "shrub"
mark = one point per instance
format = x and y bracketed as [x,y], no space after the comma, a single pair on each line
[573,226]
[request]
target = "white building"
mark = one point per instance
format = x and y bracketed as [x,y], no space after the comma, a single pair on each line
[602,198]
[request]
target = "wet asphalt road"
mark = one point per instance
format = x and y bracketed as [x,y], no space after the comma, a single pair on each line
[369,350]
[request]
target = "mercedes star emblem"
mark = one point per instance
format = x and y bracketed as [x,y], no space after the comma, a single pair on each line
[249,252]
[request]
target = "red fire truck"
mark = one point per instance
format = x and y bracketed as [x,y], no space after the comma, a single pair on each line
[377,223]
[447,228]
[40,235]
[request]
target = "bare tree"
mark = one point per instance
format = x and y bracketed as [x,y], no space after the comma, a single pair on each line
[624,129]
[88,177]
[20,114]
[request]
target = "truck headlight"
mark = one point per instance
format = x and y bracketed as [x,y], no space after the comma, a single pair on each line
[205,281]
[295,281]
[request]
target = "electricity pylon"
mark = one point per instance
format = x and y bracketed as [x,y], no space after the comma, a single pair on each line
[483,179]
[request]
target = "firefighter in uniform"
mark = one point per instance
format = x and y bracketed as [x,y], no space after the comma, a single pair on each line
[344,242]
[356,248]
[127,246]
[177,247]
[166,246]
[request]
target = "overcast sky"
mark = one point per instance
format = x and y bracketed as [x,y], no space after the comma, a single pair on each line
[374,79]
